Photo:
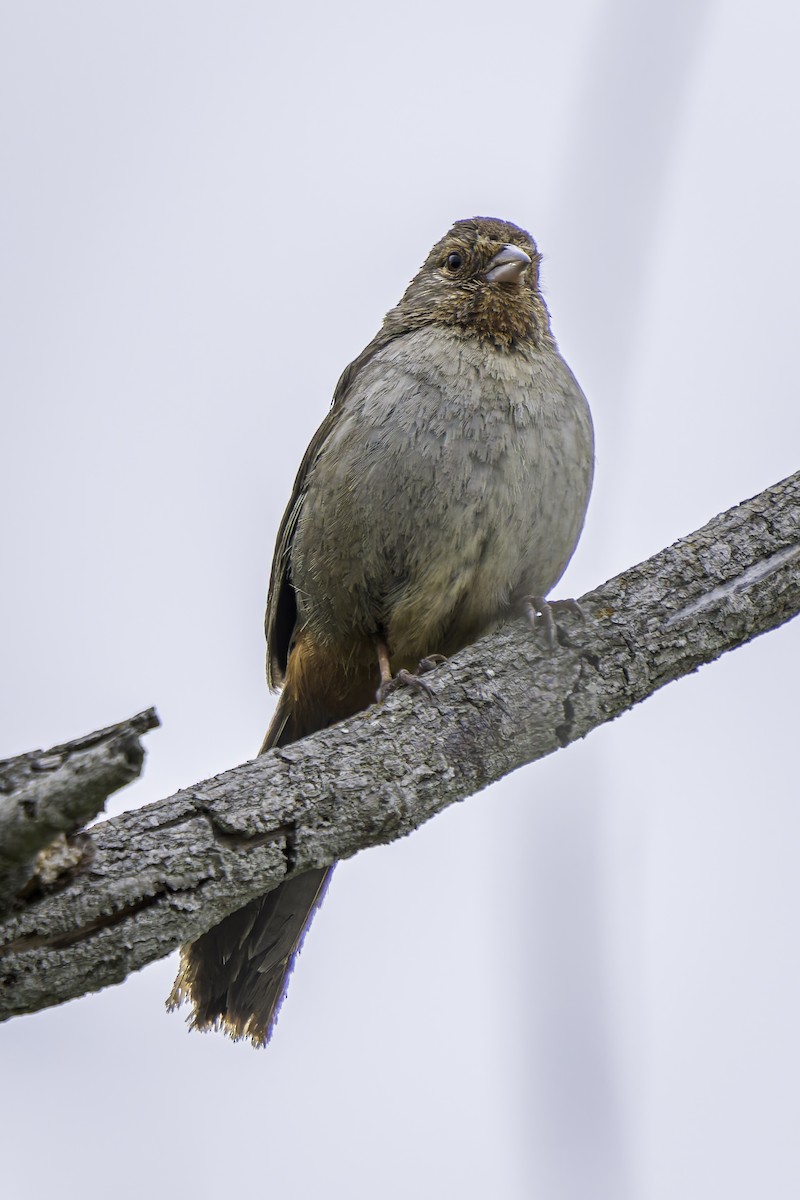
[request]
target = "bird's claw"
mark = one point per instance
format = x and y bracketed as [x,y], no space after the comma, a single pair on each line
[430,663]
[411,679]
[542,613]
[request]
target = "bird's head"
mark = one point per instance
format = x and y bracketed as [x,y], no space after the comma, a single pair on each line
[481,279]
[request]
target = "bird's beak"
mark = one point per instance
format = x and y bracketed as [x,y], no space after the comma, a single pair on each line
[508,265]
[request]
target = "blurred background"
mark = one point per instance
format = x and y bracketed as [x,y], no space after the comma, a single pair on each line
[207,209]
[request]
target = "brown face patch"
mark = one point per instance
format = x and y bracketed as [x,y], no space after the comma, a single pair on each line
[452,289]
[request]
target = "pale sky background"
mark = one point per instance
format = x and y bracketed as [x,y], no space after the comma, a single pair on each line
[207,208]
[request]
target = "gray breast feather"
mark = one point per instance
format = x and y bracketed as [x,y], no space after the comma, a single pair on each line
[456,473]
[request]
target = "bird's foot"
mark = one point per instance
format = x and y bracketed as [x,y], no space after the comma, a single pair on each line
[403,678]
[430,663]
[542,614]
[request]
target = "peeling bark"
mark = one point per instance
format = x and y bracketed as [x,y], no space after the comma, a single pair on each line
[46,796]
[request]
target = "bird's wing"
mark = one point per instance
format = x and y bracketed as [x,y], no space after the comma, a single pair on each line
[281,615]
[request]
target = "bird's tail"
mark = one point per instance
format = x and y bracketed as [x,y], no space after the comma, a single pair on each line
[236,974]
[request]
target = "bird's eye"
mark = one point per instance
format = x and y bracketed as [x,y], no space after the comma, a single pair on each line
[453,261]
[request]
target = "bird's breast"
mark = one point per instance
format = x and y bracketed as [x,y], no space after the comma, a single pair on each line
[454,482]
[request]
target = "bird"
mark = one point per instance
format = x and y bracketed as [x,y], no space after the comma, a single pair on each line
[443,494]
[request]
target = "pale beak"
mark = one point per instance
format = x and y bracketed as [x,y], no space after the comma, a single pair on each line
[508,265]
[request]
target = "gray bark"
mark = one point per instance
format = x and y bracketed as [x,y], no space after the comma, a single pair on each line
[162,874]
[46,795]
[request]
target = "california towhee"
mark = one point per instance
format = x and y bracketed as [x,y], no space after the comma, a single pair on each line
[443,493]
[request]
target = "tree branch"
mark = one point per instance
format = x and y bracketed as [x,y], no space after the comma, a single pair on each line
[161,875]
[47,793]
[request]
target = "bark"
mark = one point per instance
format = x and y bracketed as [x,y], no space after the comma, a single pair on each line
[161,875]
[46,795]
